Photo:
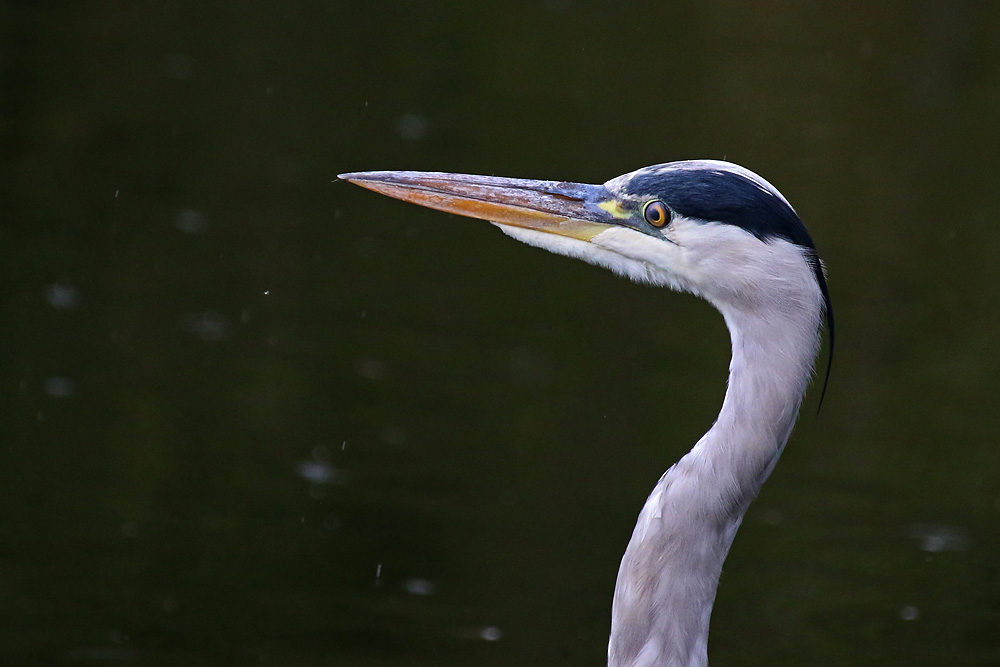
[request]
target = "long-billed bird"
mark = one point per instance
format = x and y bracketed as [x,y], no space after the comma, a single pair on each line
[723,233]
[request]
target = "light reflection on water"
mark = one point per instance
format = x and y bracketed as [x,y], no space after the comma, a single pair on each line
[935,538]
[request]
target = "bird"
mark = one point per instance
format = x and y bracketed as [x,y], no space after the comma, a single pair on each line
[720,232]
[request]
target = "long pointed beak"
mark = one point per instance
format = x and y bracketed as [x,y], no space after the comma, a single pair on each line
[575,210]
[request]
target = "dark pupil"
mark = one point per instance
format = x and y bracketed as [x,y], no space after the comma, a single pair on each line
[655,214]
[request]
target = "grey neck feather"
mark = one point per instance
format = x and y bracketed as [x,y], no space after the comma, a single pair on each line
[669,574]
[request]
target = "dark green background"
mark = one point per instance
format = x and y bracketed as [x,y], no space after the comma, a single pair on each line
[251,416]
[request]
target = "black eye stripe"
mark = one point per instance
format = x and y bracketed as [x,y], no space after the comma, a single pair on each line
[656,213]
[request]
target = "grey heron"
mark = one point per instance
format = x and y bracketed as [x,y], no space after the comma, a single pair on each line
[721,232]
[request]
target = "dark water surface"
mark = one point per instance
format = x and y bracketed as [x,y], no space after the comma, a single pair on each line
[251,416]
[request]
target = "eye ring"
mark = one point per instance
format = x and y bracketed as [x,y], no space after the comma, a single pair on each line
[656,213]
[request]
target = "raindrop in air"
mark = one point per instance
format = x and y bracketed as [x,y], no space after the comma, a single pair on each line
[62,296]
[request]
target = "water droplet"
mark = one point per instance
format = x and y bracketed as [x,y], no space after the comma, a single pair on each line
[58,387]
[393,435]
[207,326]
[418,586]
[412,127]
[62,296]
[935,538]
[191,222]
[318,473]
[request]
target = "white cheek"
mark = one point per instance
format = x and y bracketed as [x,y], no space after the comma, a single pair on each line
[644,258]
[561,245]
[627,252]
[724,264]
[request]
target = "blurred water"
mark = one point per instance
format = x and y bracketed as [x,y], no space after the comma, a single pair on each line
[254,416]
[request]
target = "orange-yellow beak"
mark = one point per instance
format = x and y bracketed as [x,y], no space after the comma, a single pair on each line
[575,210]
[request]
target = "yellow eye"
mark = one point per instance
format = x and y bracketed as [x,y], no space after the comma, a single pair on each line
[656,213]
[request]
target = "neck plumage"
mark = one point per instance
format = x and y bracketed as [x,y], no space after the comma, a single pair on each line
[669,574]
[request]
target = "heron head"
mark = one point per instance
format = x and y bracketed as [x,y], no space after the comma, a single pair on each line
[703,226]
[707,227]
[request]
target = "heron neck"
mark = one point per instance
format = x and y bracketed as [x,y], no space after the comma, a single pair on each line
[669,575]
[768,375]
